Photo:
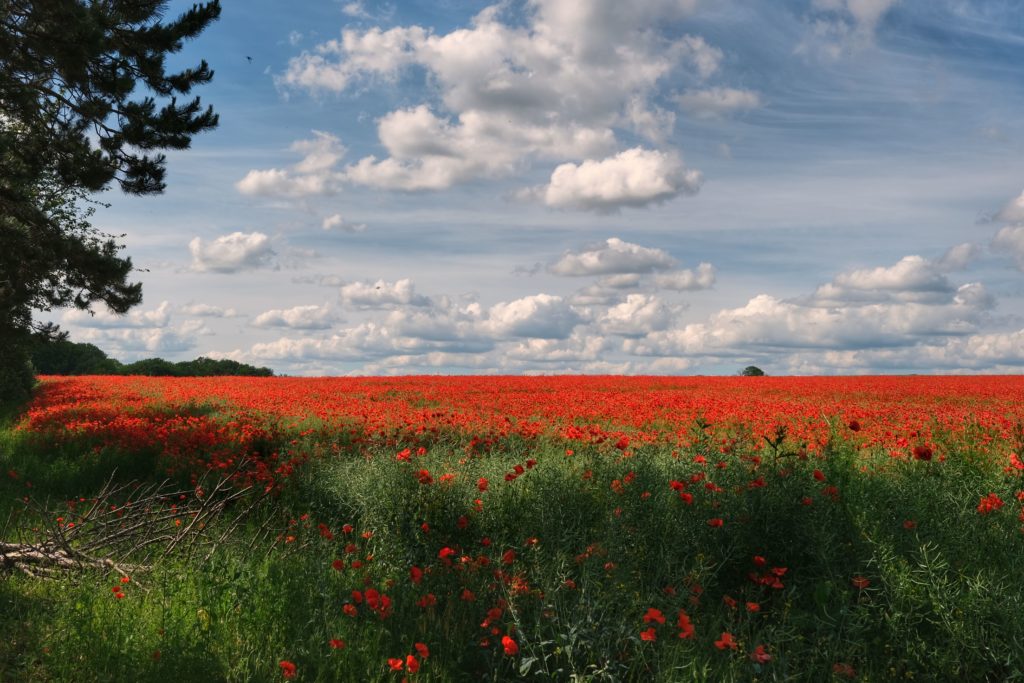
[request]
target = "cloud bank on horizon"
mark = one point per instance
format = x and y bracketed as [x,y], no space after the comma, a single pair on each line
[542,186]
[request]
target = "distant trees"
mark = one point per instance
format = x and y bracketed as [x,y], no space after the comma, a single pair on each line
[68,358]
[752,371]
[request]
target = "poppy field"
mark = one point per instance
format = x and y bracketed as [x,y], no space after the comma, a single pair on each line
[547,528]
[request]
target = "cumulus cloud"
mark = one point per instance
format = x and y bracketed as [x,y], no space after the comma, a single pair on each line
[634,178]
[103,318]
[335,223]
[1013,212]
[541,316]
[314,174]
[207,311]
[1010,240]
[311,317]
[231,253]
[637,316]
[716,102]
[555,84]
[614,257]
[382,294]
[137,342]
[687,280]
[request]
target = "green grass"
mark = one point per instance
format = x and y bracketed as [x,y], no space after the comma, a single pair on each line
[943,603]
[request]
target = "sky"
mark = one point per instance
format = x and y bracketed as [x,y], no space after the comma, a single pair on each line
[590,186]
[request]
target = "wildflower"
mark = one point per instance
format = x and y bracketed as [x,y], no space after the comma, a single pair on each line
[989,503]
[445,553]
[854,426]
[428,600]
[909,524]
[395,663]
[760,656]
[287,668]
[753,607]
[415,574]
[422,650]
[860,582]
[649,635]
[715,522]
[654,614]
[686,629]
[482,483]
[337,644]
[510,646]
[349,609]
[337,565]
[819,475]
[922,453]
[726,641]
[412,665]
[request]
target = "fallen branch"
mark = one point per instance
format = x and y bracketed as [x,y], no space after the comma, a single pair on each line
[127,526]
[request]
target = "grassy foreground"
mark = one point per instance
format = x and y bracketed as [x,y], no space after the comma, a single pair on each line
[442,559]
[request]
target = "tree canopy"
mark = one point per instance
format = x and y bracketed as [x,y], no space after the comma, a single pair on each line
[752,371]
[86,103]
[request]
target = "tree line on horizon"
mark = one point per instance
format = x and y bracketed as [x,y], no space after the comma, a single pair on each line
[71,358]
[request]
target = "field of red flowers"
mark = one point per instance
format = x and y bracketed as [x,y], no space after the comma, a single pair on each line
[602,528]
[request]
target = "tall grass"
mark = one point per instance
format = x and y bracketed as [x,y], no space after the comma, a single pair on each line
[847,564]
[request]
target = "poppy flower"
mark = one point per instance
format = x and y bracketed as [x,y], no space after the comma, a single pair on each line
[412,665]
[860,582]
[715,522]
[510,646]
[395,663]
[686,628]
[422,650]
[649,635]
[337,644]
[760,656]
[287,668]
[654,614]
[726,641]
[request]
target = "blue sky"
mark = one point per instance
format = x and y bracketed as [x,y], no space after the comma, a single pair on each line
[661,186]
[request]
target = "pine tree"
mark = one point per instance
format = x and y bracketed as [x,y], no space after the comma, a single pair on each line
[86,103]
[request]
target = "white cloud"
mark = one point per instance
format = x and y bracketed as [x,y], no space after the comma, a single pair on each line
[335,223]
[208,311]
[958,257]
[231,253]
[615,257]
[137,342]
[715,102]
[355,9]
[313,175]
[1013,212]
[636,177]
[637,316]
[382,294]
[542,316]
[553,86]
[912,278]
[843,26]
[687,280]
[158,317]
[311,317]
[1010,240]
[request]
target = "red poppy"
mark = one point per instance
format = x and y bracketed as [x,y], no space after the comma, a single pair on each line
[412,665]
[395,663]
[726,641]
[422,650]
[287,668]
[686,628]
[510,646]
[482,483]
[760,656]
[648,635]
[715,522]
[337,644]
[860,582]
[654,614]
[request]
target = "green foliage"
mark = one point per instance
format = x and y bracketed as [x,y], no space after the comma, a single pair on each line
[76,116]
[752,371]
[940,599]
[62,357]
